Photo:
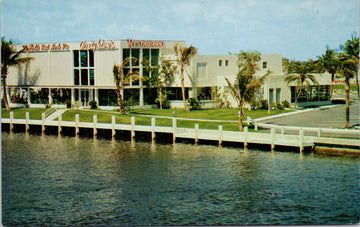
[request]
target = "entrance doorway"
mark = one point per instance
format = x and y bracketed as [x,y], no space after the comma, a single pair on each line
[84,97]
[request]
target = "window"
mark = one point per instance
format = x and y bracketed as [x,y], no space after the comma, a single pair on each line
[84,77]
[226,62]
[84,67]
[154,57]
[83,58]
[220,62]
[76,77]
[76,58]
[135,53]
[264,65]
[91,56]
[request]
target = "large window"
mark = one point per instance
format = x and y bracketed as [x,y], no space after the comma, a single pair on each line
[149,56]
[84,67]
[311,94]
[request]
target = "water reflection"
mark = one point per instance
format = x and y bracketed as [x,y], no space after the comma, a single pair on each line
[50,180]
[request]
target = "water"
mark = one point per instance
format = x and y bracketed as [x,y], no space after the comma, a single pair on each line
[50,180]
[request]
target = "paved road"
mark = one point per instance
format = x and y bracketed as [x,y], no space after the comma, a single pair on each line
[333,117]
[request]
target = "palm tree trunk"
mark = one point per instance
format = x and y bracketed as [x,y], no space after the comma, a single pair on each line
[160,99]
[241,126]
[357,84]
[347,100]
[121,105]
[183,91]
[6,100]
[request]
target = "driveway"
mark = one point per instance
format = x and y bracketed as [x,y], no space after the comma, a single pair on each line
[324,117]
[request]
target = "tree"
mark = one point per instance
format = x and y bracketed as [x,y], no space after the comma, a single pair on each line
[9,57]
[161,76]
[349,65]
[300,73]
[246,85]
[121,79]
[351,49]
[328,62]
[184,55]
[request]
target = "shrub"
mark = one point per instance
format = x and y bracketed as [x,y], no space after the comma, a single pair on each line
[263,104]
[286,104]
[279,106]
[93,104]
[194,104]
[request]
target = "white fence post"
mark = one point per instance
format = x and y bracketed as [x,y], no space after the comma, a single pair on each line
[272,139]
[282,132]
[59,124]
[42,122]
[76,124]
[113,122]
[220,134]
[153,123]
[319,132]
[174,129]
[256,126]
[301,140]
[27,118]
[95,123]
[11,120]
[132,127]
[196,133]
[246,130]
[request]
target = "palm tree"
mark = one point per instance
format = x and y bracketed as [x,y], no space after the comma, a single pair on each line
[9,57]
[184,55]
[161,76]
[328,62]
[351,49]
[121,79]
[245,85]
[300,73]
[349,65]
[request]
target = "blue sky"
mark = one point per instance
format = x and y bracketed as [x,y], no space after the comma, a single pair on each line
[297,29]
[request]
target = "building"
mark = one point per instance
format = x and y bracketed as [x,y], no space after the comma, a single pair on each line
[78,72]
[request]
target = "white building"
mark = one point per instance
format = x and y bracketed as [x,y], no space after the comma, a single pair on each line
[76,73]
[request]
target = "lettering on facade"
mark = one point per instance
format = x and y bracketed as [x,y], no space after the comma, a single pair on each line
[146,44]
[100,45]
[46,47]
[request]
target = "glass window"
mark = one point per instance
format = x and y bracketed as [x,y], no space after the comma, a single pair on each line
[135,53]
[83,54]
[264,65]
[226,62]
[126,54]
[91,58]
[84,77]
[92,81]
[76,58]
[146,55]
[220,62]
[154,56]
[76,77]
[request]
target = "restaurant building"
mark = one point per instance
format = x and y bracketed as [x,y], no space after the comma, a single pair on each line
[75,73]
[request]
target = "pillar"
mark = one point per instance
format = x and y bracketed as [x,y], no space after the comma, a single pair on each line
[50,97]
[96,96]
[28,96]
[220,134]
[72,97]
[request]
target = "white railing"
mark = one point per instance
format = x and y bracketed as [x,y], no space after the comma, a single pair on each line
[297,139]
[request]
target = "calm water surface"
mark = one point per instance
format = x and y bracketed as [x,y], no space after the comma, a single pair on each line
[50,180]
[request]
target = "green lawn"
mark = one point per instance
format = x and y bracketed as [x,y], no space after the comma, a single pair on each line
[105,116]
[35,113]
[217,114]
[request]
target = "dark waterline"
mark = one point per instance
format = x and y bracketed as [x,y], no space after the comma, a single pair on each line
[50,180]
